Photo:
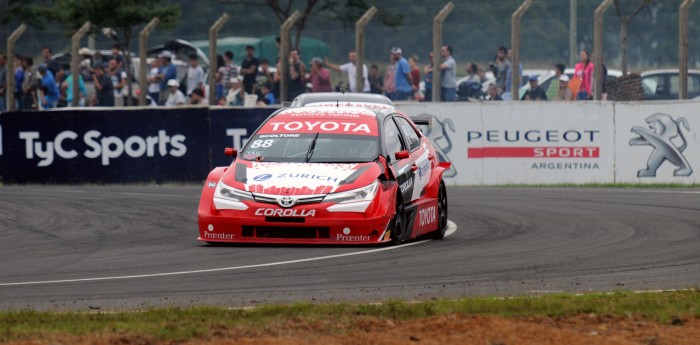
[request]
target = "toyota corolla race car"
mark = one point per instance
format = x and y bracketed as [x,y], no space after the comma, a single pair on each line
[327,175]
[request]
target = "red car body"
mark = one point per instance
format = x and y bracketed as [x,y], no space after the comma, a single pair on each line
[327,175]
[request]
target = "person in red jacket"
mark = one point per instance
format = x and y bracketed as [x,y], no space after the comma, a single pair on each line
[584,72]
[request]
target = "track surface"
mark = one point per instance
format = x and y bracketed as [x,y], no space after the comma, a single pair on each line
[508,242]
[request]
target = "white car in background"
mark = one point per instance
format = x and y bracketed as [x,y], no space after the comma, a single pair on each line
[663,84]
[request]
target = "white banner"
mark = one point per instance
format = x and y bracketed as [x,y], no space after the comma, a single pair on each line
[496,143]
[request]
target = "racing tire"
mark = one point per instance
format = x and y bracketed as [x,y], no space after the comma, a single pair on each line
[398,228]
[442,213]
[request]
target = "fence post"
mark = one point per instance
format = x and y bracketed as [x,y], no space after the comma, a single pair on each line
[360,48]
[10,77]
[573,20]
[143,47]
[683,47]
[598,48]
[284,55]
[515,46]
[213,68]
[75,61]
[437,44]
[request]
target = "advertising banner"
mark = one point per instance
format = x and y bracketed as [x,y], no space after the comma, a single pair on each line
[523,143]
[105,146]
[657,142]
[231,127]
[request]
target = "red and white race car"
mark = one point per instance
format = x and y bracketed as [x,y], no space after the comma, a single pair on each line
[331,175]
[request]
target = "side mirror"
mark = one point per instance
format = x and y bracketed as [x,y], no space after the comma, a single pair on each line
[401,154]
[231,152]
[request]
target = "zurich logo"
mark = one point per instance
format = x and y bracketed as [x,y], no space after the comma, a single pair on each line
[263,177]
[286,201]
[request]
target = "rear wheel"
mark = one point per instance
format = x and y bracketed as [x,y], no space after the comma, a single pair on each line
[442,212]
[398,229]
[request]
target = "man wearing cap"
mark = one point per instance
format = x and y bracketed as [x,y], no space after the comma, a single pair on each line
[49,88]
[448,69]
[402,76]
[564,93]
[104,87]
[351,71]
[249,69]
[166,73]
[536,92]
[320,77]
[175,96]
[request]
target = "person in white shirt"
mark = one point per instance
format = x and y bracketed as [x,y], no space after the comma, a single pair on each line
[195,75]
[175,96]
[153,82]
[350,69]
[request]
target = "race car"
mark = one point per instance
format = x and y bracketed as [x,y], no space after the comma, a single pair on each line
[327,175]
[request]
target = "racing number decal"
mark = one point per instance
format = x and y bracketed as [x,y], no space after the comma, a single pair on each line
[262,143]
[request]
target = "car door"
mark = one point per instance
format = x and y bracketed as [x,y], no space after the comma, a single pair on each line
[401,167]
[419,174]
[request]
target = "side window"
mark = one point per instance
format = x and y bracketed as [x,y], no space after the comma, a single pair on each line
[409,133]
[693,84]
[392,138]
[675,86]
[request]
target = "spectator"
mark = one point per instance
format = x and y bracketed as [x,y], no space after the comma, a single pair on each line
[175,96]
[85,63]
[97,60]
[297,71]
[492,93]
[376,82]
[152,79]
[117,55]
[195,75]
[389,79]
[564,93]
[197,97]
[554,89]
[67,86]
[230,71]
[509,76]
[220,78]
[473,73]
[428,71]
[59,78]
[3,86]
[103,87]
[166,73]
[266,96]
[584,72]
[118,77]
[249,69]
[536,92]
[320,77]
[29,84]
[449,74]
[19,81]
[265,75]
[471,86]
[235,95]
[52,65]
[415,72]
[402,76]
[501,67]
[350,69]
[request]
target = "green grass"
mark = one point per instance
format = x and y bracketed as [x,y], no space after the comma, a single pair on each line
[179,324]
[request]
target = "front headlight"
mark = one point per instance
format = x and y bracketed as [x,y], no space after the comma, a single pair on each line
[229,198]
[363,194]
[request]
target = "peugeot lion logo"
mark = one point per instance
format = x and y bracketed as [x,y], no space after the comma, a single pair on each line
[286,201]
[662,129]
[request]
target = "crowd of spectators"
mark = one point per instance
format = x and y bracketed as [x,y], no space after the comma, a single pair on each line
[49,84]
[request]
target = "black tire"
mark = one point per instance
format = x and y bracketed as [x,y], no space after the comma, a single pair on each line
[398,224]
[442,213]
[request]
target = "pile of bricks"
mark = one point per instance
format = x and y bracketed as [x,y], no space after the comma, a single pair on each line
[625,88]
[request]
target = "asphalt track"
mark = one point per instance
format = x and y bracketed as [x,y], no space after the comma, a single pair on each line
[117,247]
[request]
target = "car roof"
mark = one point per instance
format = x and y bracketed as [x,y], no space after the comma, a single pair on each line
[667,70]
[339,97]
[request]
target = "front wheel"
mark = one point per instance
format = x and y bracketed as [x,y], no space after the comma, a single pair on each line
[442,213]
[398,229]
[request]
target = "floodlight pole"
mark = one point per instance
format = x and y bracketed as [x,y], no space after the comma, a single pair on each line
[213,68]
[284,55]
[683,47]
[143,48]
[10,77]
[360,48]
[437,44]
[515,47]
[598,48]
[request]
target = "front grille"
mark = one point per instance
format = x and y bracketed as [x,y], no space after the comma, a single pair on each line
[272,199]
[286,232]
[285,219]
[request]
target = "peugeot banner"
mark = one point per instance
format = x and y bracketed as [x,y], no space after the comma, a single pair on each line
[105,146]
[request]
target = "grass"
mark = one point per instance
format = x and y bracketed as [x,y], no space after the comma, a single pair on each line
[201,323]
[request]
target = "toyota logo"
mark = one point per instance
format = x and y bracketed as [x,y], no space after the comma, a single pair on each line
[286,201]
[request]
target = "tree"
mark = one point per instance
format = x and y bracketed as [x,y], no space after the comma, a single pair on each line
[347,12]
[624,22]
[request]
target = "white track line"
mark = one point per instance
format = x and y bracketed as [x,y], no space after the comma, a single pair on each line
[451,228]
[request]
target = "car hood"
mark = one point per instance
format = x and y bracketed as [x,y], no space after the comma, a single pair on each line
[300,178]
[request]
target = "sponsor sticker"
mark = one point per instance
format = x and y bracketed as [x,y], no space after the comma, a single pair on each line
[276,212]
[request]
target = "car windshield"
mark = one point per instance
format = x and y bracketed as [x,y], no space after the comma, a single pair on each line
[311,148]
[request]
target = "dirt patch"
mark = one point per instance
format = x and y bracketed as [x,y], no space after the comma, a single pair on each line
[446,329]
